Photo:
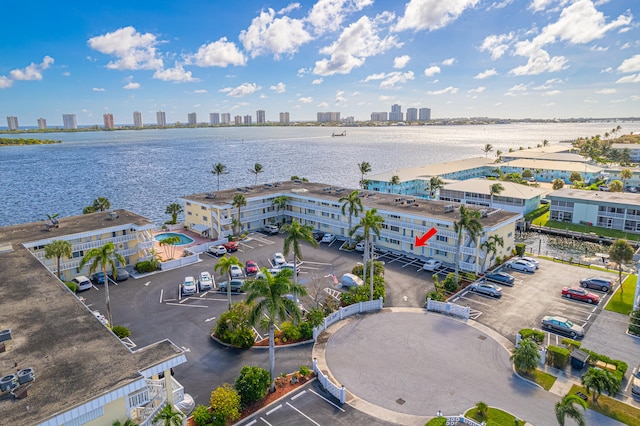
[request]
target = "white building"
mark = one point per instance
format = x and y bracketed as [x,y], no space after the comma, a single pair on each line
[12,123]
[192,119]
[412,114]
[137,119]
[424,114]
[108,120]
[379,116]
[214,118]
[69,121]
[396,113]
[42,123]
[247,120]
[260,116]
[328,117]
[161,119]
[284,118]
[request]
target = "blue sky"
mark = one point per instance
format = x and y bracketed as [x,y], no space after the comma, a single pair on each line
[461,58]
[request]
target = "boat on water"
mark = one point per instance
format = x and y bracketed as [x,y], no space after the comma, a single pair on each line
[339,134]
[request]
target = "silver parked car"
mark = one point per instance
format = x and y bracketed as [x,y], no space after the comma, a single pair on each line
[563,326]
[521,265]
[597,283]
[487,288]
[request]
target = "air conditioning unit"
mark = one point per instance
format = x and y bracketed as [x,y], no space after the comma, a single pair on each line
[5,335]
[113,215]
[449,208]
[483,213]
[25,376]
[8,382]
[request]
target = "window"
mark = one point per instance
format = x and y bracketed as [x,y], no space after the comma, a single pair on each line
[395,228]
[203,208]
[311,211]
[189,213]
[442,238]
[188,203]
[77,254]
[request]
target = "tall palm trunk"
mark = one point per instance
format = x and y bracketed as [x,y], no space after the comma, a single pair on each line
[106,295]
[366,257]
[458,255]
[59,266]
[371,274]
[272,355]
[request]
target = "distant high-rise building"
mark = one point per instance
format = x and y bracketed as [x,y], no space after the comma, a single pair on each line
[284,118]
[192,119]
[412,114]
[214,118]
[396,113]
[161,118]
[379,116]
[349,119]
[325,117]
[237,120]
[42,123]
[69,121]
[247,120]
[260,116]
[137,119]
[425,114]
[108,120]
[225,118]
[12,122]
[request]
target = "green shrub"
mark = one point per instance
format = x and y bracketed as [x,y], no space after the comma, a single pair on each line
[570,343]
[146,266]
[252,384]
[304,370]
[634,329]
[378,269]
[71,285]
[436,296]
[306,330]
[535,335]
[621,366]
[315,317]
[202,416]
[498,260]
[437,421]
[289,331]
[529,217]
[520,249]
[121,331]
[450,285]
[361,293]
[557,357]
[233,327]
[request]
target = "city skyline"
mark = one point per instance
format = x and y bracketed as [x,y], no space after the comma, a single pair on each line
[468,58]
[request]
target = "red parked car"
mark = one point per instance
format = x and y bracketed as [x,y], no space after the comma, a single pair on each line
[231,246]
[579,293]
[251,267]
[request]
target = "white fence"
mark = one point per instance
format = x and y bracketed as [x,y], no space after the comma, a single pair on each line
[448,308]
[339,392]
[457,420]
[341,313]
[181,261]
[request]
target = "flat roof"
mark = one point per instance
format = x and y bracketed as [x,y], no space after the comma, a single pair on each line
[538,152]
[625,145]
[570,166]
[371,199]
[626,198]
[74,357]
[482,186]
[429,170]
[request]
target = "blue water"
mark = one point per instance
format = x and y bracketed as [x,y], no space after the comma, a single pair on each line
[184,240]
[144,171]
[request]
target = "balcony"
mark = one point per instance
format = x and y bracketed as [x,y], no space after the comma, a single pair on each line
[146,403]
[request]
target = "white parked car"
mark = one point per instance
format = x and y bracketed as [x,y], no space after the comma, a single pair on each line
[217,251]
[531,260]
[328,238]
[278,259]
[360,246]
[521,265]
[188,286]
[206,281]
[432,265]
[236,271]
[351,280]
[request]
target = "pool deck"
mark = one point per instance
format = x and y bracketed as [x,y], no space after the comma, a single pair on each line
[197,240]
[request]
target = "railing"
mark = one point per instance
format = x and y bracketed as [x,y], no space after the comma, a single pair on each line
[338,392]
[448,308]
[457,420]
[181,261]
[341,313]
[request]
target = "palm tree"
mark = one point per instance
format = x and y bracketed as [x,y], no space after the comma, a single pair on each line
[171,242]
[616,186]
[353,203]
[365,168]
[624,175]
[127,422]
[490,247]
[101,204]
[469,221]
[566,407]
[525,357]
[58,249]
[495,189]
[371,224]
[487,149]
[557,184]
[224,266]
[169,417]
[493,242]
[435,183]
[174,209]
[272,291]
[219,169]
[239,201]
[257,169]
[103,257]
[620,252]
[599,381]
[545,142]
[498,153]
[297,233]
[280,203]
[395,180]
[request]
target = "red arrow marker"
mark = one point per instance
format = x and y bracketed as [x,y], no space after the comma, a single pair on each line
[421,241]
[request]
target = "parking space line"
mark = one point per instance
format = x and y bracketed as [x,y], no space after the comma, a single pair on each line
[293,398]
[326,400]
[188,306]
[161,294]
[262,418]
[252,422]
[475,301]
[274,409]
[303,414]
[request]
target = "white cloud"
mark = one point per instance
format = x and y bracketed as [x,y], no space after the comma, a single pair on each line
[431,14]
[378,76]
[502,4]
[632,78]
[449,61]
[606,70]
[5,82]
[539,5]
[328,15]
[631,64]
[133,50]
[289,8]
[131,86]
[478,89]
[306,100]
[596,48]
[444,91]
[317,81]
[552,93]
[606,91]
[242,90]
[220,53]
[518,89]
[340,99]
[356,43]
[400,62]
[323,105]
[177,74]
[431,71]
[486,74]
[199,91]
[393,78]
[98,89]
[279,88]
[497,45]
[279,36]
[549,84]
[33,71]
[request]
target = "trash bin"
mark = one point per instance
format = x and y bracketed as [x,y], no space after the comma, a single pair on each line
[579,359]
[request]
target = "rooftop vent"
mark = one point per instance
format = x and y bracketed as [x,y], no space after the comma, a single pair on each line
[113,215]
[8,382]
[297,181]
[276,184]
[268,185]
[25,376]
[5,335]
[449,208]
[210,195]
[327,189]
[483,213]
[339,190]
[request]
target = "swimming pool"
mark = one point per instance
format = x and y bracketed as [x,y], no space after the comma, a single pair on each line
[184,240]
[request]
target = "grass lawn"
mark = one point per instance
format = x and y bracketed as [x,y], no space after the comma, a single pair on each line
[541,378]
[622,302]
[495,417]
[611,408]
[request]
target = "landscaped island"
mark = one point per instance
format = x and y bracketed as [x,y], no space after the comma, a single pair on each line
[26,141]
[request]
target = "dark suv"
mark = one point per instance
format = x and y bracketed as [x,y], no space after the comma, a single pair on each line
[597,283]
